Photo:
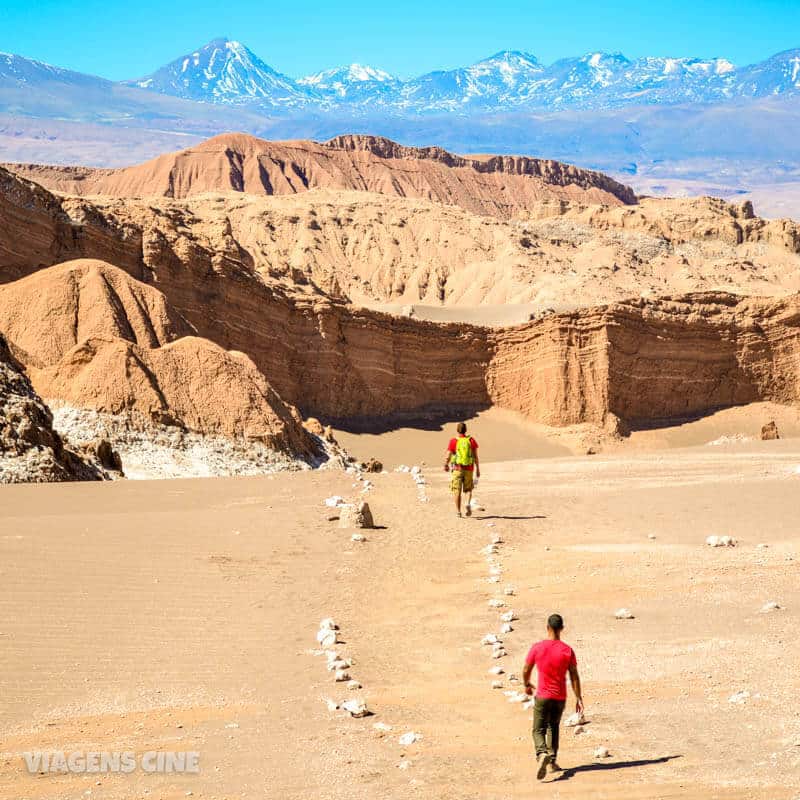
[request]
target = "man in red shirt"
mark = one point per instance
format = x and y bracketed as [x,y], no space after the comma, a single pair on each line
[552,659]
[461,457]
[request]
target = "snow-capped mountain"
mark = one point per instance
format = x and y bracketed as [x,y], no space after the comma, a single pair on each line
[493,82]
[354,83]
[225,71]
[777,75]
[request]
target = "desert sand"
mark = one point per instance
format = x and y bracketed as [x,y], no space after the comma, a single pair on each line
[182,616]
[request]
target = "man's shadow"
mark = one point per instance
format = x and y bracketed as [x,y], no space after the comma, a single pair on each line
[498,516]
[604,765]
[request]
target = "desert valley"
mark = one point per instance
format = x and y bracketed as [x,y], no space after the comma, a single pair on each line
[292,328]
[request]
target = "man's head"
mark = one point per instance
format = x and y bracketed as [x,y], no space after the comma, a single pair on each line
[461,428]
[555,624]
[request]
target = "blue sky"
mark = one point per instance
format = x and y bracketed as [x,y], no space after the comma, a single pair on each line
[127,39]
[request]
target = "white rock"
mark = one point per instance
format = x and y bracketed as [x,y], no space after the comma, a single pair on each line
[506,627]
[382,726]
[490,638]
[415,470]
[353,685]
[332,704]
[740,698]
[496,671]
[490,550]
[509,591]
[771,606]
[342,675]
[339,663]
[497,540]
[721,541]
[762,546]
[409,738]
[528,705]
[573,720]
[518,697]
[651,536]
[334,501]
[499,653]
[405,765]
[328,624]
[326,637]
[493,579]
[497,684]
[623,613]
[601,752]
[508,616]
[496,602]
[358,537]
[356,707]
[495,570]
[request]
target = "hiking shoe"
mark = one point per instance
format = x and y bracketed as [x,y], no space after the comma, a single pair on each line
[555,767]
[543,760]
[469,511]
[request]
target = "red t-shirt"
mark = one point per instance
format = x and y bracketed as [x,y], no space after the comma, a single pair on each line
[452,448]
[552,659]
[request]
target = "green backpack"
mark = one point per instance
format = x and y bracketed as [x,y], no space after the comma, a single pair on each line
[464,456]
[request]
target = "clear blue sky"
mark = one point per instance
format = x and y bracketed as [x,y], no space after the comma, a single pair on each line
[128,38]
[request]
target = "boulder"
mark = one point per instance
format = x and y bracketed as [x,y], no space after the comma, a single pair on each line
[355,515]
[373,465]
[356,708]
[108,457]
[769,432]
[314,427]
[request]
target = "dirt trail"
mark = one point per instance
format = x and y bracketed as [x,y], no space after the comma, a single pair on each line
[180,615]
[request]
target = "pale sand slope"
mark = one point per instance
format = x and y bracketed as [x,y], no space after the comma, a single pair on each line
[153,615]
[504,435]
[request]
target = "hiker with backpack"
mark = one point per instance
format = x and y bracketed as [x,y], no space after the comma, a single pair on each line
[461,459]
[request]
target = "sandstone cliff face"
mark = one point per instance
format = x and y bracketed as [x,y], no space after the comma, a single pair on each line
[30,450]
[501,186]
[223,279]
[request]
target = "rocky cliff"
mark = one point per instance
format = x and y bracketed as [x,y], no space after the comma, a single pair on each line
[30,450]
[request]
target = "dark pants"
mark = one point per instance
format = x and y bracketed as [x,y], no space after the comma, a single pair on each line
[546,719]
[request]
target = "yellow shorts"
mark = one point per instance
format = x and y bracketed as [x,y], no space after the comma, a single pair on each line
[461,480]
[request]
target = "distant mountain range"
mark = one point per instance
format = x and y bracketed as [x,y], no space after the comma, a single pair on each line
[664,125]
[225,71]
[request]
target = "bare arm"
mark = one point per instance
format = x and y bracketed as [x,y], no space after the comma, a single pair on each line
[447,455]
[526,677]
[575,680]
[477,465]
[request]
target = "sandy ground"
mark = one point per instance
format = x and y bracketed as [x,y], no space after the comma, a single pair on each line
[181,615]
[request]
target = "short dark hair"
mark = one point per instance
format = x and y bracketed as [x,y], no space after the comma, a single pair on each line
[555,622]
[461,427]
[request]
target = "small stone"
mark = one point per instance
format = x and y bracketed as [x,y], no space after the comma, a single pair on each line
[506,627]
[497,684]
[573,720]
[334,501]
[508,616]
[740,698]
[497,540]
[353,685]
[762,546]
[356,708]
[651,536]
[382,727]
[496,602]
[342,675]
[499,653]
[328,624]
[355,515]
[771,606]
[358,537]
[496,671]
[404,765]
[601,752]
[409,738]
[769,432]
[623,613]
[490,638]
[509,591]
[721,541]
[326,637]
[493,579]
